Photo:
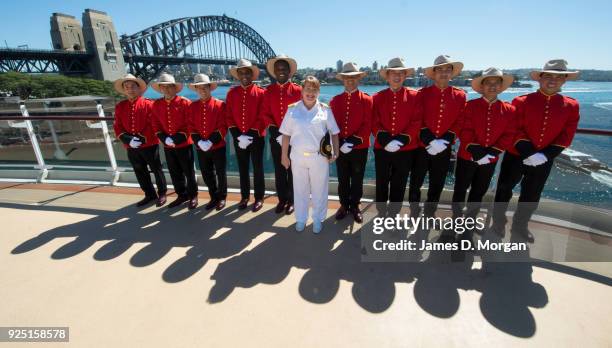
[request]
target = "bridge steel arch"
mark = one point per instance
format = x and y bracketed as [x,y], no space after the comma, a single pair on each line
[222,40]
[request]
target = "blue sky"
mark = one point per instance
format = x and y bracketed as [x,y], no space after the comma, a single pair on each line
[506,34]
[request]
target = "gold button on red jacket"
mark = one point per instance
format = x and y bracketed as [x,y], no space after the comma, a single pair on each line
[243,107]
[397,116]
[353,114]
[441,111]
[276,99]
[207,121]
[488,128]
[171,120]
[134,119]
[546,124]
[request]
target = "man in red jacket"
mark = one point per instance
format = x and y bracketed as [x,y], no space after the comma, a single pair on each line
[171,116]
[547,122]
[133,128]
[353,113]
[207,130]
[277,97]
[396,122]
[442,105]
[488,130]
[245,122]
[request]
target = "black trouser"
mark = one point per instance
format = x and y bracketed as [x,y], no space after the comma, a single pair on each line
[477,178]
[437,166]
[182,173]
[351,168]
[532,181]
[283,178]
[253,153]
[392,169]
[140,159]
[214,172]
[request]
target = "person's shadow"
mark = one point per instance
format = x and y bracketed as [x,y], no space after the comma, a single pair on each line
[157,230]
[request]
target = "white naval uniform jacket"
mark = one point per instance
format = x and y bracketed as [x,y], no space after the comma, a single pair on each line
[307,127]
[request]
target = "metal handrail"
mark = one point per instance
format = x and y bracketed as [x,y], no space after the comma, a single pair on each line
[85,116]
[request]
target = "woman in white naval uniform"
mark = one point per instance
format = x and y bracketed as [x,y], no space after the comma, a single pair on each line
[304,125]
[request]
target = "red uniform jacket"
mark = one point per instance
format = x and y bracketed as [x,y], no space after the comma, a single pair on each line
[353,114]
[171,120]
[134,119]
[207,122]
[487,129]
[397,116]
[243,107]
[546,124]
[441,111]
[275,101]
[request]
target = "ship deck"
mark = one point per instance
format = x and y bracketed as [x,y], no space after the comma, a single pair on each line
[83,256]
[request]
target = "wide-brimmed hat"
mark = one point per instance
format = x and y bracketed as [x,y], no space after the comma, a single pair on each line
[444,60]
[202,79]
[555,66]
[396,64]
[244,63]
[166,79]
[270,65]
[118,84]
[350,69]
[492,72]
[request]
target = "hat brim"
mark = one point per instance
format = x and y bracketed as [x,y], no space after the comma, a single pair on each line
[571,75]
[192,86]
[358,74]
[155,86]
[118,85]
[254,69]
[507,81]
[457,68]
[292,66]
[383,72]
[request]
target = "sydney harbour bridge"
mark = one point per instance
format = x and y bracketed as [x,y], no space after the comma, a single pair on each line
[94,49]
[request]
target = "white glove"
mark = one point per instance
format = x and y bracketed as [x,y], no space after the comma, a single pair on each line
[535,160]
[436,146]
[346,148]
[134,143]
[245,138]
[205,145]
[485,160]
[279,139]
[244,141]
[169,142]
[393,146]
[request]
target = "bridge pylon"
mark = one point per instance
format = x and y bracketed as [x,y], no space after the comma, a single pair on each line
[102,41]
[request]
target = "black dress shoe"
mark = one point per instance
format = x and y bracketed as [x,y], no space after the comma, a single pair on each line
[357,216]
[220,204]
[289,209]
[341,213]
[178,201]
[211,204]
[161,200]
[243,203]
[257,205]
[145,201]
[280,207]
[193,203]
[525,233]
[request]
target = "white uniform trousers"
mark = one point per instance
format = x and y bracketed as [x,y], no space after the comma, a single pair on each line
[310,178]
